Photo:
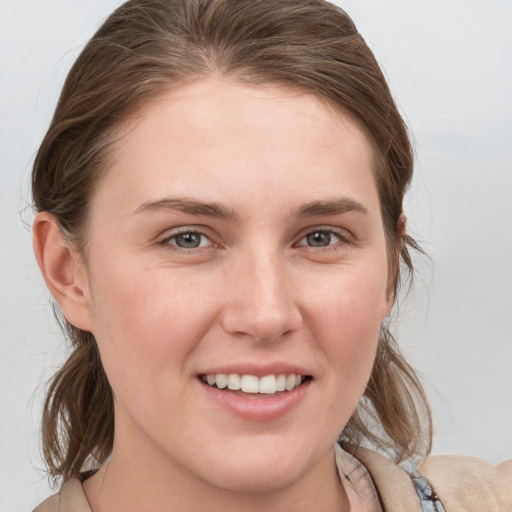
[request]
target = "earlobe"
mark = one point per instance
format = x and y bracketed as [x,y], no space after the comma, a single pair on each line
[62,269]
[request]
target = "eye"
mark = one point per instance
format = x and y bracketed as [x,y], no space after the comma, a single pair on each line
[321,238]
[187,240]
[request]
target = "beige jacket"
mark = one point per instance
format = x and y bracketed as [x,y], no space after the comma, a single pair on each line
[464,484]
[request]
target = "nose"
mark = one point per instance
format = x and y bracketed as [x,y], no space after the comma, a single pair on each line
[261,301]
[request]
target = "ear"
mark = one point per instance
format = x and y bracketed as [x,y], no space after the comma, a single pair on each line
[388,304]
[63,270]
[401,229]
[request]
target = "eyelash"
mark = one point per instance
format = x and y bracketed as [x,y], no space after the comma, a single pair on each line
[342,241]
[166,242]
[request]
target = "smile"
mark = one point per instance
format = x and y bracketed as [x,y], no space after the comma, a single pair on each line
[267,384]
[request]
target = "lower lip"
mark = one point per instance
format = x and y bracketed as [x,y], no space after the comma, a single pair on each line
[260,407]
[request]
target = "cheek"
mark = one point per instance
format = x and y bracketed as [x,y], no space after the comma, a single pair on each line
[345,316]
[146,323]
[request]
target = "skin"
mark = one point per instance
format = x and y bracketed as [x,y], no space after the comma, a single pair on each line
[255,291]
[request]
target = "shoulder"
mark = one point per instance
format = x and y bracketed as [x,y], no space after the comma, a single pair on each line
[463,484]
[50,504]
[70,498]
[468,483]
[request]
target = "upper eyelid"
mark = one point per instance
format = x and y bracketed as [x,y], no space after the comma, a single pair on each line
[345,239]
[342,232]
[169,234]
[341,238]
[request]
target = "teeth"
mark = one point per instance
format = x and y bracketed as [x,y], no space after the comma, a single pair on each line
[233,381]
[267,385]
[290,382]
[221,380]
[249,384]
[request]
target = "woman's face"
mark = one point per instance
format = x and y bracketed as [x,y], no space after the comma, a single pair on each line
[237,233]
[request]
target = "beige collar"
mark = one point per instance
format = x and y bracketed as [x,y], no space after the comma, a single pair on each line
[72,497]
[393,484]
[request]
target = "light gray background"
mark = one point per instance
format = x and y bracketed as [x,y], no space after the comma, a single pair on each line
[449,64]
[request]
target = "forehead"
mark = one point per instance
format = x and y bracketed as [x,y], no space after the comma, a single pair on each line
[216,136]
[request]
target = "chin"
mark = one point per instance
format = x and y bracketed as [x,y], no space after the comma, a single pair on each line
[254,480]
[257,470]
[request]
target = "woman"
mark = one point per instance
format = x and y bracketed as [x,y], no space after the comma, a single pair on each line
[220,221]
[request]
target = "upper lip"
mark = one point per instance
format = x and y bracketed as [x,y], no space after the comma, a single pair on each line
[259,370]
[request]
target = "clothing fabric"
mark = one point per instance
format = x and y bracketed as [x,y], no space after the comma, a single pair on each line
[463,484]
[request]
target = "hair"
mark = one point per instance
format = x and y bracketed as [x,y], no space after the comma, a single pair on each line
[147,47]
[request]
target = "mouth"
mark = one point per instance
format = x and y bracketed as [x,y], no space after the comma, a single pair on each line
[254,386]
[258,395]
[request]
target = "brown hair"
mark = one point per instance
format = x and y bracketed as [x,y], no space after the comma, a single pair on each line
[148,46]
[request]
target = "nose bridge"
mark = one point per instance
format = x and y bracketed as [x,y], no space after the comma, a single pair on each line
[261,301]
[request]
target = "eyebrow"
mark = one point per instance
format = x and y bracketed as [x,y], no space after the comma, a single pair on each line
[219,211]
[190,206]
[332,207]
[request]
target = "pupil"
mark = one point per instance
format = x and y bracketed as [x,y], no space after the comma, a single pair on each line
[319,239]
[188,240]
